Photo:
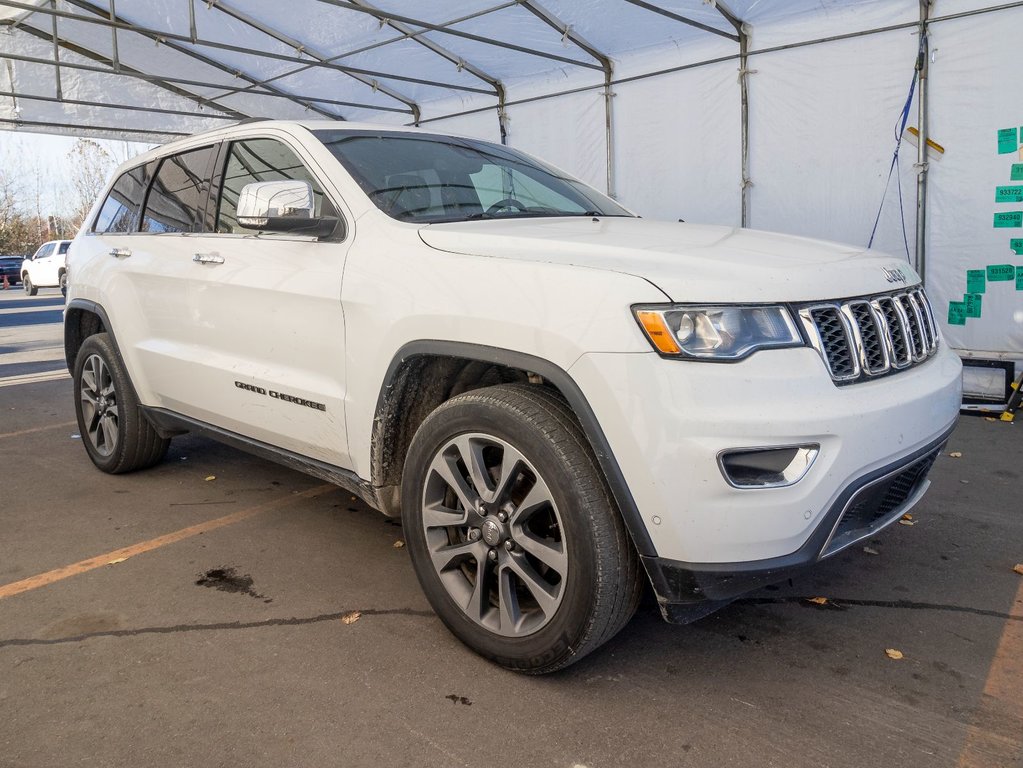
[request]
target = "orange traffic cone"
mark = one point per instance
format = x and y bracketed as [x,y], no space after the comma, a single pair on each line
[7,283]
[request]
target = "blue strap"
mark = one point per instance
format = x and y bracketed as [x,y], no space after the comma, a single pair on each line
[899,131]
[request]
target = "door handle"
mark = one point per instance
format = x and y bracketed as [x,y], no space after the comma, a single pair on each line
[120,253]
[208,258]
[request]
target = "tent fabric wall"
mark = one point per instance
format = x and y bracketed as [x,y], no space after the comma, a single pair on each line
[822,131]
[974,91]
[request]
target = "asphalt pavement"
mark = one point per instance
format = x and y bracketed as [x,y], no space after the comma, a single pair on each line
[220,610]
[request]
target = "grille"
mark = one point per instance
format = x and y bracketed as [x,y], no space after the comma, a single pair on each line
[877,504]
[871,336]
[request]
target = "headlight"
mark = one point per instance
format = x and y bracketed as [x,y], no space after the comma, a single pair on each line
[723,333]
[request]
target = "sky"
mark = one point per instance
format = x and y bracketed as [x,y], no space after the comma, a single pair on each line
[23,154]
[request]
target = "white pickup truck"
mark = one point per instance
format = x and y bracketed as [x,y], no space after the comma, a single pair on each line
[563,401]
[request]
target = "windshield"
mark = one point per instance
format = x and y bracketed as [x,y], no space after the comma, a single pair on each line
[428,179]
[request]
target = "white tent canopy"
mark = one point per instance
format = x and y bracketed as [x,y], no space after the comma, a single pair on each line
[778,115]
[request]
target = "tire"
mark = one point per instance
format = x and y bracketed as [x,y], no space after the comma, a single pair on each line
[115,433]
[63,284]
[570,578]
[30,289]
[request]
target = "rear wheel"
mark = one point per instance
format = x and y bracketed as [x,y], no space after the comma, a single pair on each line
[512,531]
[30,289]
[116,435]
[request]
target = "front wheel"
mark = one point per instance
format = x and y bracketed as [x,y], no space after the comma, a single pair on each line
[116,434]
[512,532]
[30,289]
[63,284]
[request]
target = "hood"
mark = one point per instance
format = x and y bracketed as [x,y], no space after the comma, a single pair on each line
[688,262]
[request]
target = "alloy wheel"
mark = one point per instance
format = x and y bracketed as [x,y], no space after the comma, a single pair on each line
[494,534]
[99,405]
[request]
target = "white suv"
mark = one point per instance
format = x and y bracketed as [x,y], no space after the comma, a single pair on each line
[46,268]
[561,400]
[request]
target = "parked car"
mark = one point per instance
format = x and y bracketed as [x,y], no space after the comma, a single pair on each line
[10,267]
[561,400]
[46,268]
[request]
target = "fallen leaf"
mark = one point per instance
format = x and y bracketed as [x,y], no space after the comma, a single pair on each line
[817,600]
[210,477]
[965,482]
[906,522]
[892,653]
[1019,568]
[990,418]
[351,617]
[907,516]
[118,560]
[399,544]
[871,551]
[956,454]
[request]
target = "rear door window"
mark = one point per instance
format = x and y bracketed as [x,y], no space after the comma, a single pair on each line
[177,195]
[63,247]
[120,211]
[262,160]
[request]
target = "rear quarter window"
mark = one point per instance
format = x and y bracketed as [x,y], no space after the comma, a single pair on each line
[120,211]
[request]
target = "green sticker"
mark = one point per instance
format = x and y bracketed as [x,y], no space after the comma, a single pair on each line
[1017,172]
[956,313]
[1007,141]
[1019,278]
[1016,244]
[972,302]
[1009,194]
[1011,220]
[1000,272]
[975,280]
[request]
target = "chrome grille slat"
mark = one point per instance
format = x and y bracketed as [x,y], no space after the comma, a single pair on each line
[871,336]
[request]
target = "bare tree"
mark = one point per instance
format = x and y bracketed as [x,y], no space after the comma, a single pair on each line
[90,164]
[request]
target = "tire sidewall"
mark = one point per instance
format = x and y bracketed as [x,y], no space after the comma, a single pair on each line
[556,639]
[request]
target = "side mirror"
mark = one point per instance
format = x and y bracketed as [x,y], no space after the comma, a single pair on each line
[282,206]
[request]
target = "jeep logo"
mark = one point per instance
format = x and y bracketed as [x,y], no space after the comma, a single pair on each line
[894,275]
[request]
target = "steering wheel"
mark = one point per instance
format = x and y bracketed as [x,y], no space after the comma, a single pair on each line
[508,202]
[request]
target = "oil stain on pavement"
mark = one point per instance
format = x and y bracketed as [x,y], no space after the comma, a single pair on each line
[226,579]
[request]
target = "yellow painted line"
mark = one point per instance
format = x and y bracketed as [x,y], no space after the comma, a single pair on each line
[63,424]
[1001,701]
[34,378]
[120,555]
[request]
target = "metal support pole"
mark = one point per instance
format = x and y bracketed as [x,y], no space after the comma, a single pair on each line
[609,130]
[920,260]
[114,57]
[56,53]
[742,33]
[604,62]
[744,120]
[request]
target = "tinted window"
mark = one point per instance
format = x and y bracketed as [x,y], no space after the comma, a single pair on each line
[176,195]
[63,247]
[438,178]
[120,210]
[262,160]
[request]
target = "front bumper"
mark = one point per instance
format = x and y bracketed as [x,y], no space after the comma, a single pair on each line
[687,591]
[667,421]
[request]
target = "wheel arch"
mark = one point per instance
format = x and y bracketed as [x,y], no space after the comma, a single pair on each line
[82,319]
[406,397]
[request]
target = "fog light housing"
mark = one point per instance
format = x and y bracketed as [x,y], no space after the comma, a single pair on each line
[771,467]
